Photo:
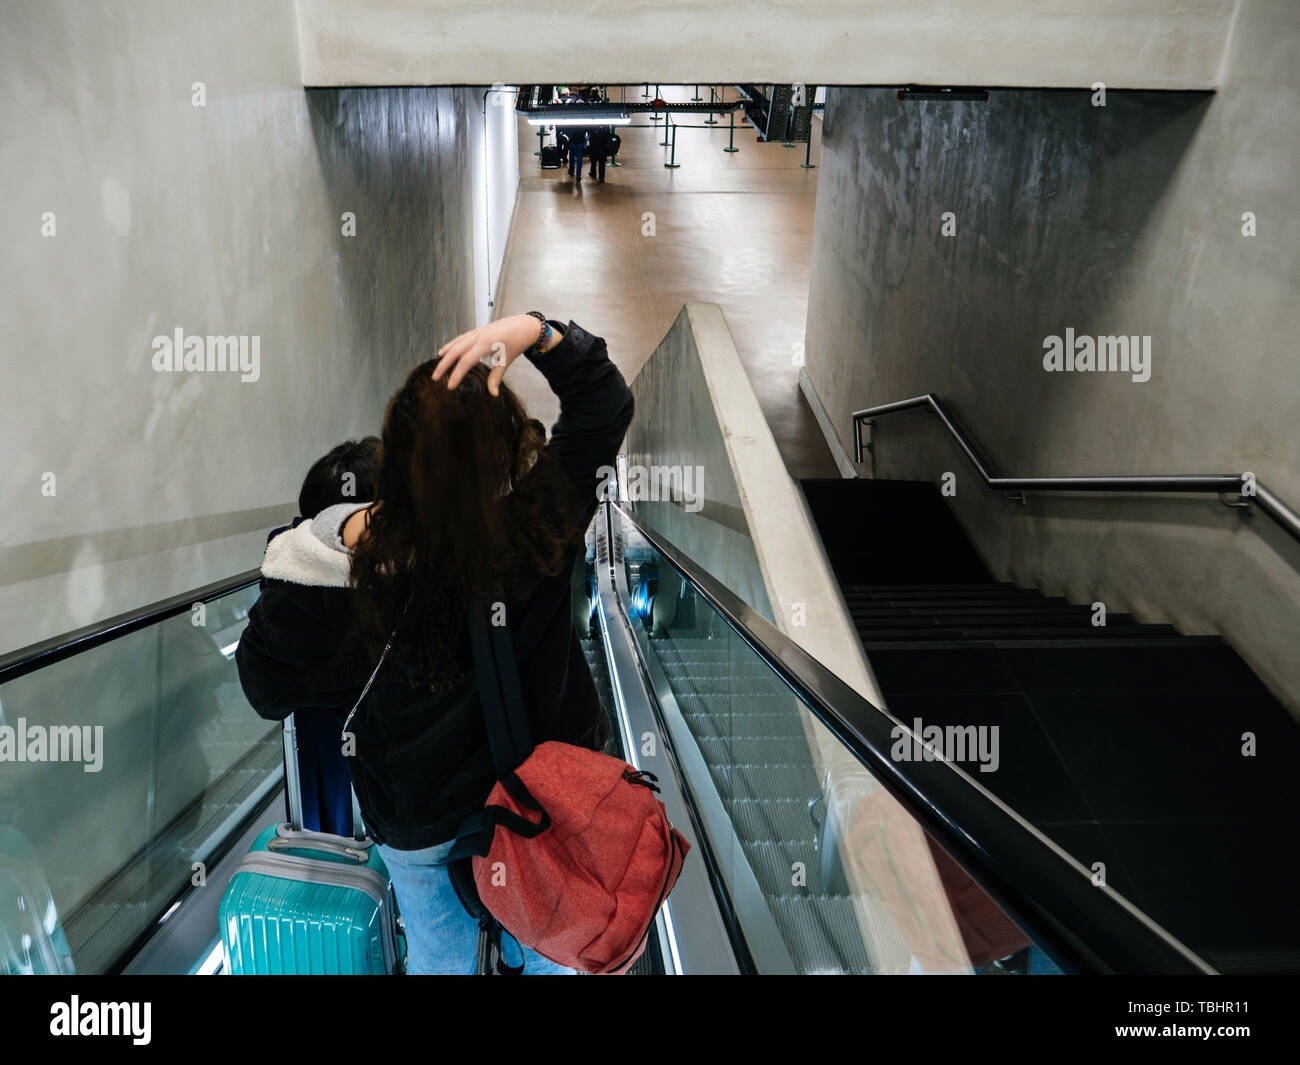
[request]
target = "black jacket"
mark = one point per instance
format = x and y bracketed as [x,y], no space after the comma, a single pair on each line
[598,142]
[422,762]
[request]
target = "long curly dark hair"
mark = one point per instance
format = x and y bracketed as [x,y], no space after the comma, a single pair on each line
[455,518]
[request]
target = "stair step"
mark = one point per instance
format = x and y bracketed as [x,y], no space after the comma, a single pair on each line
[777,865]
[1003,610]
[773,751]
[773,820]
[962,621]
[827,931]
[978,588]
[746,723]
[1026,602]
[766,781]
[1031,632]
[1174,639]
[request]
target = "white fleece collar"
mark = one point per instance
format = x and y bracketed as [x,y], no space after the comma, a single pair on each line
[300,557]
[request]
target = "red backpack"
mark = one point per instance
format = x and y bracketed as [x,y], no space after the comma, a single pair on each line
[572,855]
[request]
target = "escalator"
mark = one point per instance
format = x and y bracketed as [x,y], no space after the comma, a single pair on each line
[812,850]
[752,740]
[184,766]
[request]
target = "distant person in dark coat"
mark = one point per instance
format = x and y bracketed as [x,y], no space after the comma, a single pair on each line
[349,472]
[598,146]
[577,145]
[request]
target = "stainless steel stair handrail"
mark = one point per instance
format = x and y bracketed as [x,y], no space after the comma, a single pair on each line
[1049,893]
[1270,504]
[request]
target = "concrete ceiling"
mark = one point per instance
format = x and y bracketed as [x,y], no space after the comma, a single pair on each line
[1149,44]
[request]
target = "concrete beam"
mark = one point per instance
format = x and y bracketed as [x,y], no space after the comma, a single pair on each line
[1152,44]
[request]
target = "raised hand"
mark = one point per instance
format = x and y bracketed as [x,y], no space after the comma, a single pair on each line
[501,341]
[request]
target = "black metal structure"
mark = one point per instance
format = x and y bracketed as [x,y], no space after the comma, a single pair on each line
[1239,484]
[780,112]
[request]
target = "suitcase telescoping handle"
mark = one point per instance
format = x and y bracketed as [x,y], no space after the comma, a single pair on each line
[292,779]
[287,837]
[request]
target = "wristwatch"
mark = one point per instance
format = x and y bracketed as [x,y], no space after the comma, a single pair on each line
[543,339]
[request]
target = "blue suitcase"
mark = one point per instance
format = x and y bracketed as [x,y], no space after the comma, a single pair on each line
[308,902]
[305,902]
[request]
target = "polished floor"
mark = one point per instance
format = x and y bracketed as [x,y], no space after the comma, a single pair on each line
[728,228]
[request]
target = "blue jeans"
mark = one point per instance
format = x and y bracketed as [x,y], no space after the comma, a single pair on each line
[441,938]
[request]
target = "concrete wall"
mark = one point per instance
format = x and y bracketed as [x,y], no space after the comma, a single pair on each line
[494,183]
[676,424]
[1123,219]
[695,407]
[223,219]
[1166,44]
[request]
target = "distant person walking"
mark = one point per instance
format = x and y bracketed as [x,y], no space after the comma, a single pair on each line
[577,145]
[598,146]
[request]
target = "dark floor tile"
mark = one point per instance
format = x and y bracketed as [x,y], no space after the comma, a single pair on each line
[1086,844]
[1175,756]
[1029,776]
[1160,667]
[924,671]
[1222,888]
[890,531]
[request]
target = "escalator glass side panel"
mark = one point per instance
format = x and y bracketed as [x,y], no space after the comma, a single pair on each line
[849,880]
[133,762]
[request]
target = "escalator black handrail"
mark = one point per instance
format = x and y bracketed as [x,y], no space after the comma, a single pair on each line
[1085,928]
[39,655]
[1270,504]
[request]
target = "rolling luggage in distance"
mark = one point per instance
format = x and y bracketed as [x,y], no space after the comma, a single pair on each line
[551,157]
[305,902]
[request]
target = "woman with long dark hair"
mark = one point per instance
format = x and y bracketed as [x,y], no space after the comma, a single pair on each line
[473,505]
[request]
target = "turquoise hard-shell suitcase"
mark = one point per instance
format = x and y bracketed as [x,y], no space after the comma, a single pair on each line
[309,902]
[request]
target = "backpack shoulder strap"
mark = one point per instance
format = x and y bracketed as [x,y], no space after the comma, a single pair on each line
[496,675]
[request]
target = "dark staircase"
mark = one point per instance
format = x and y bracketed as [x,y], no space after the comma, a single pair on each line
[1122,742]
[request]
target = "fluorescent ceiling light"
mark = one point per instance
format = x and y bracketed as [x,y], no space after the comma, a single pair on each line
[586,120]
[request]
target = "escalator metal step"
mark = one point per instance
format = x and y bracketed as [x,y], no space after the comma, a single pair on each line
[750,731]
[726,708]
[779,865]
[783,751]
[744,724]
[827,931]
[765,781]
[773,820]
